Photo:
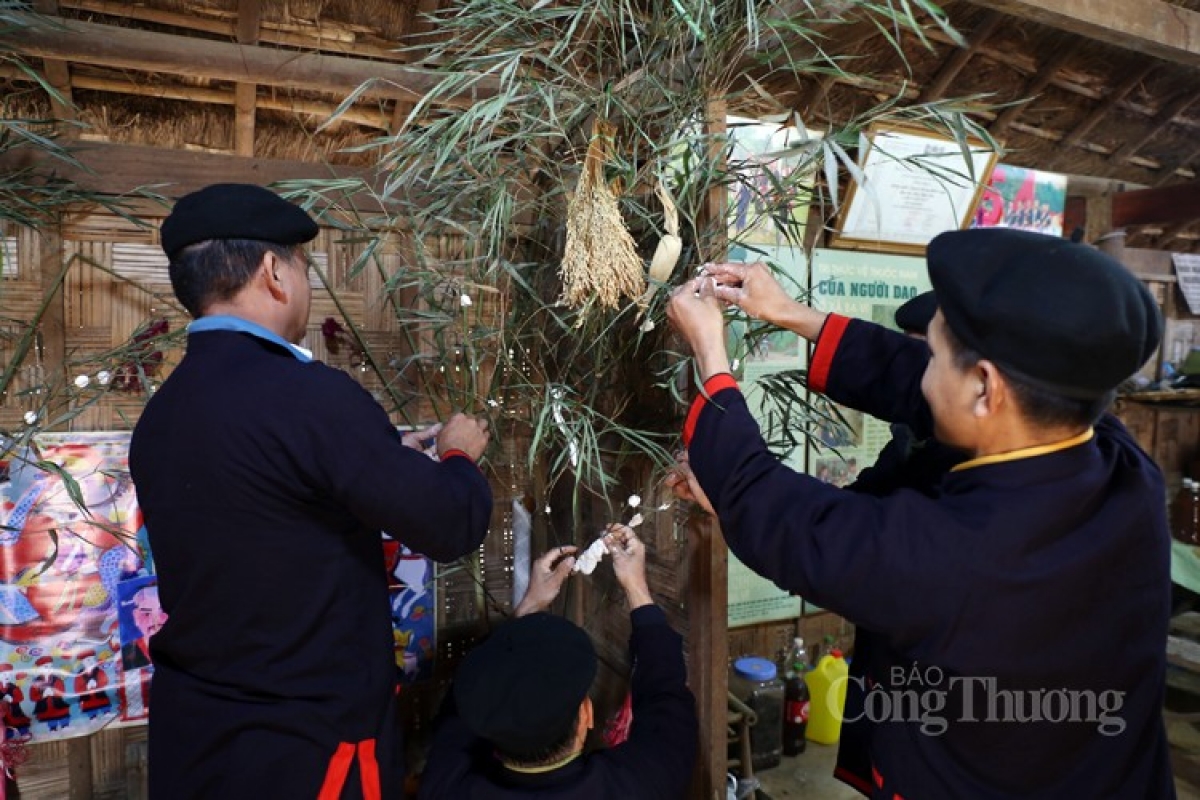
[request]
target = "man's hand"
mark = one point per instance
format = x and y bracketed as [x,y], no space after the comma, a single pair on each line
[461,432]
[629,563]
[754,289]
[696,313]
[424,440]
[682,481]
[546,579]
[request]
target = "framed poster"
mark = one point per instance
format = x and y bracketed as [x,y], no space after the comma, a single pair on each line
[772,186]
[1025,199]
[868,286]
[914,184]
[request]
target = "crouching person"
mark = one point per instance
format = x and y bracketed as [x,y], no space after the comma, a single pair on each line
[516,719]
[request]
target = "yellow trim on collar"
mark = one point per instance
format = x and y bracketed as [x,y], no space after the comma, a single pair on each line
[546,767]
[1027,452]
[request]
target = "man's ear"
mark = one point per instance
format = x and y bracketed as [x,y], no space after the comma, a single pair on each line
[269,272]
[992,389]
[587,719]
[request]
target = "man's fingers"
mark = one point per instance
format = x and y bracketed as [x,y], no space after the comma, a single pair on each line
[563,570]
[546,562]
[729,294]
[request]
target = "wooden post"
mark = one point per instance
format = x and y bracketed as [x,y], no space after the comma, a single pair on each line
[51,346]
[708,650]
[707,590]
[246,94]
[1098,217]
[79,768]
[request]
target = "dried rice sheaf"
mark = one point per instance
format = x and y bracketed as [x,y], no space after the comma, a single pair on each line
[600,262]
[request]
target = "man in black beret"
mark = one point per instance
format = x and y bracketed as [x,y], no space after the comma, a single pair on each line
[516,719]
[265,479]
[1022,602]
[914,315]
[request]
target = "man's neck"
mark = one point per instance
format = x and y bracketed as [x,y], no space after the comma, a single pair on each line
[539,768]
[1017,435]
[239,310]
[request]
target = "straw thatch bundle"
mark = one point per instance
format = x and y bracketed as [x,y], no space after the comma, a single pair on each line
[600,262]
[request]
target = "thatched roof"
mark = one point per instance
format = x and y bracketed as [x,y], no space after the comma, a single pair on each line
[1112,100]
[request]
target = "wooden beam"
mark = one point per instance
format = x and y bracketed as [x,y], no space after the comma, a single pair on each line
[1181,164]
[708,648]
[248,22]
[1180,103]
[954,65]
[1153,27]
[358,115]
[58,74]
[273,33]
[127,48]
[119,169]
[1038,85]
[708,560]
[244,97]
[1117,95]
[1164,205]
[419,26]
[1173,232]
[52,342]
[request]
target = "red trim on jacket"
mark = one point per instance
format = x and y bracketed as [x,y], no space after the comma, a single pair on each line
[456,454]
[878,781]
[339,769]
[335,775]
[368,769]
[853,780]
[827,345]
[717,383]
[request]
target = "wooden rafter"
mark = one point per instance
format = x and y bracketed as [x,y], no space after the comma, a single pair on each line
[248,22]
[1169,171]
[1173,232]
[1035,87]
[955,64]
[1153,27]
[418,27]
[1116,96]
[1180,103]
[57,74]
[122,168]
[149,51]
[227,27]
[357,115]
[822,89]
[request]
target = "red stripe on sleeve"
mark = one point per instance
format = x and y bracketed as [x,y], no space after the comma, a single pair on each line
[456,454]
[717,383]
[827,345]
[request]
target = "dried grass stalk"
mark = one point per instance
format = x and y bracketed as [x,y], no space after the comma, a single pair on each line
[600,262]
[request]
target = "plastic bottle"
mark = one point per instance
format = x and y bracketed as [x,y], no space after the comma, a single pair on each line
[795,699]
[756,683]
[1185,512]
[827,690]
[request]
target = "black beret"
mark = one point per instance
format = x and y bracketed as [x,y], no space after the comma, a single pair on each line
[521,688]
[1059,314]
[914,315]
[235,211]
